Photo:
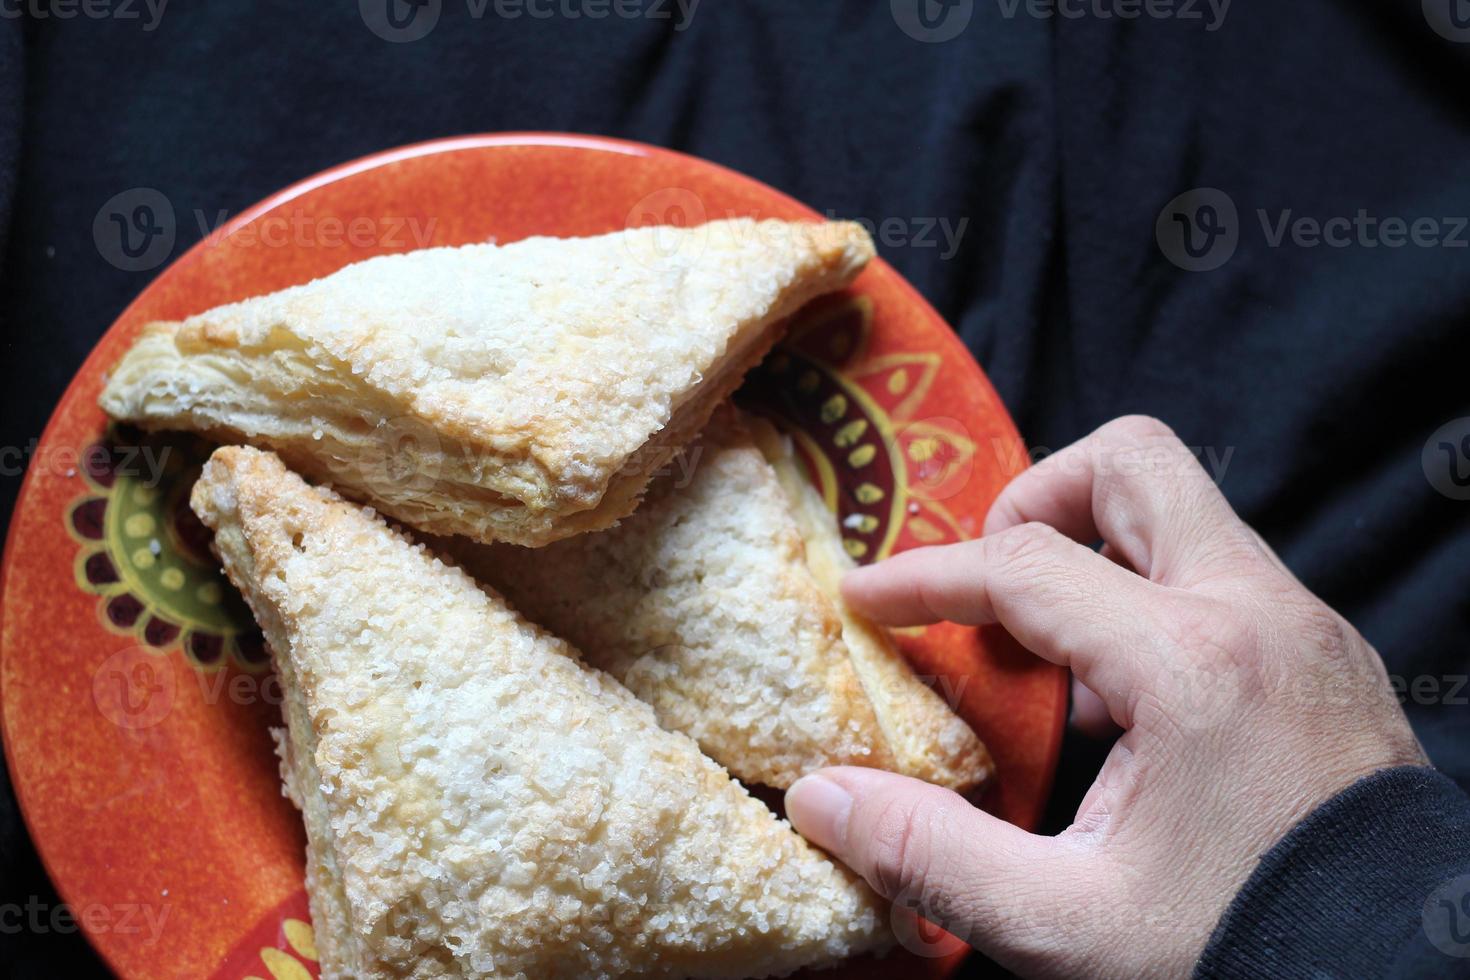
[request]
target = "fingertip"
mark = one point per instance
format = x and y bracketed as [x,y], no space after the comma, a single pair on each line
[889,592]
[867,590]
[819,807]
[857,583]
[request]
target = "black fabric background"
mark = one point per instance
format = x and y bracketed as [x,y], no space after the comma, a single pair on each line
[1324,370]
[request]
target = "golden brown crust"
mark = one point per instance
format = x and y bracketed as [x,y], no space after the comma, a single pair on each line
[700,603]
[708,604]
[928,740]
[518,393]
[479,803]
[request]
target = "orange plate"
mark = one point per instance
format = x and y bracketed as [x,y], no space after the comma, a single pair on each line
[136,693]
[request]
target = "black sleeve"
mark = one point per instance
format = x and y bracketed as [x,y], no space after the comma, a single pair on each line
[1374,883]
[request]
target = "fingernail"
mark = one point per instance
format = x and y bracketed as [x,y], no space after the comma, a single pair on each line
[819,809]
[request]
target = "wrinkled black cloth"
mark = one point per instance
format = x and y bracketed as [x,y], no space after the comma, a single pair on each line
[1312,376]
[1374,883]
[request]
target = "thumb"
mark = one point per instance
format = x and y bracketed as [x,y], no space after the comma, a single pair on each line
[926,849]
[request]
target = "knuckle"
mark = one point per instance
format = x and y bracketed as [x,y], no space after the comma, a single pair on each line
[915,855]
[1155,717]
[1212,630]
[1236,548]
[1139,429]
[1328,636]
[1024,543]
[1141,459]
[901,848]
[1218,661]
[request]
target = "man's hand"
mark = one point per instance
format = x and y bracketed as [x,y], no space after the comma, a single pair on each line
[1244,702]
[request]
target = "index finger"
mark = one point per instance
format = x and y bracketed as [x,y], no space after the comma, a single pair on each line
[1063,602]
[1136,486]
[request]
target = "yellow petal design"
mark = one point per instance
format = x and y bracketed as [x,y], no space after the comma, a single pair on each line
[925,531]
[302,938]
[834,408]
[850,433]
[923,449]
[283,966]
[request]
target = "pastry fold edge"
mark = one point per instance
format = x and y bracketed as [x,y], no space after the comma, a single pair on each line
[478,802]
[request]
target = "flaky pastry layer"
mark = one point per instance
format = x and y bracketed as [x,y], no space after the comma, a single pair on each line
[717,604]
[927,739]
[518,393]
[701,605]
[478,802]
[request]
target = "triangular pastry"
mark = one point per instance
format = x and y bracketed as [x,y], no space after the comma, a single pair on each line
[927,739]
[477,802]
[717,603]
[518,393]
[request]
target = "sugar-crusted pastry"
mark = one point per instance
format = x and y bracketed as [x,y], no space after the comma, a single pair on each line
[478,803]
[701,605]
[716,603]
[927,739]
[518,393]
